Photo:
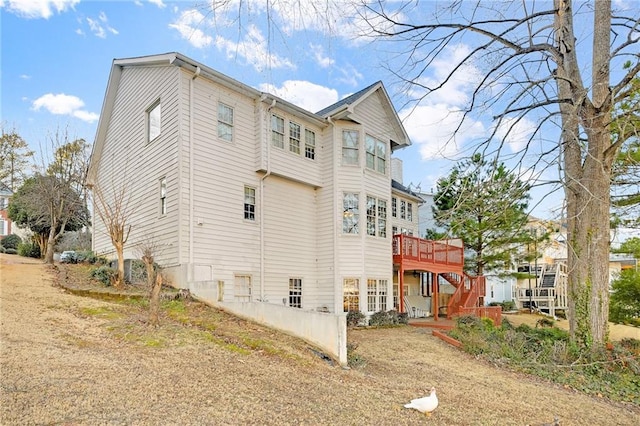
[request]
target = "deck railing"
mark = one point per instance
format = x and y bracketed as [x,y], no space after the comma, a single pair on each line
[440,252]
[493,312]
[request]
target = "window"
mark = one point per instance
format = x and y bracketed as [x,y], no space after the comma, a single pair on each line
[376,154]
[294,138]
[242,288]
[4,203]
[249,203]
[295,292]
[382,218]
[153,121]
[350,213]
[396,301]
[225,122]
[394,207]
[394,230]
[403,209]
[350,147]
[2,231]
[409,211]
[310,144]
[376,217]
[277,131]
[163,196]
[351,294]
[371,216]
[376,295]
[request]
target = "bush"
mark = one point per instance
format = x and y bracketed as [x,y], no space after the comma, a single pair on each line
[104,274]
[88,256]
[29,249]
[355,318]
[11,242]
[392,317]
[9,251]
[625,299]
[2,249]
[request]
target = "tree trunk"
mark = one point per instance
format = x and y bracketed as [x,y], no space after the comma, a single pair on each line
[154,300]
[48,254]
[119,282]
[587,177]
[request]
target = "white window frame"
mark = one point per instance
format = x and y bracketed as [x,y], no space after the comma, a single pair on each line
[403,209]
[394,207]
[242,288]
[350,213]
[163,195]
[295,135]
[309,144]
[225,122]
[249,203]
[350,148]
[376,217]
[376,153]
[351,294]
[409,211]
[295,293]
[376,295]
[154,121]
[382,218]
[277,131]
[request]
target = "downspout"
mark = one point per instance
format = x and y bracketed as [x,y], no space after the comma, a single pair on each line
[190,271]
[262,179]
[338,285]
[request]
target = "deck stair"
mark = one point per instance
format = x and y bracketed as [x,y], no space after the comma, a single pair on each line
[466,298]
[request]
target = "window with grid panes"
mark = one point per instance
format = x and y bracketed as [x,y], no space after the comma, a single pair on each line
[309,144]
[277,131]
[382,218]
[350,213]
[371,216]
[376,153]
[410,212]
[249,203]
[376,295]
[403,209]
[351,294]
[225,122]
[394,207]
[242,288]
[294,138]
[295,292]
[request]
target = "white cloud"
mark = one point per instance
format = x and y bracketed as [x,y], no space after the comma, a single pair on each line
[254,49]
[34,9]
[321,59]
[62,104]
[304,94]
[434,128]
[25,77]
[158,3]
[100,26]
[350,75]
[187,25]
[516,133]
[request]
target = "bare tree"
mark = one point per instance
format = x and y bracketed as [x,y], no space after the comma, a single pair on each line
[526,63]
[148,250]
[115,211]
[534,72]
[15,159]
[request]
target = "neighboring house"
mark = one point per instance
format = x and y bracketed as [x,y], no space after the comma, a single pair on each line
[5,222]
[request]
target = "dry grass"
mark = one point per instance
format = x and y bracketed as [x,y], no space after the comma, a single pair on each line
[77,360]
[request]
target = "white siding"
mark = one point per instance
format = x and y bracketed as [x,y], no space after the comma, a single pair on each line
[129,161]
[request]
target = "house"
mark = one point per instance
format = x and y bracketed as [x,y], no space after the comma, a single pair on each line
[255,204]
[5,222]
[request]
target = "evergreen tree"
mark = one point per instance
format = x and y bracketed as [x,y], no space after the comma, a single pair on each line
[484,204]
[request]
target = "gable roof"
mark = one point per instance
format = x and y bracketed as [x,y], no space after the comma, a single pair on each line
[343,110]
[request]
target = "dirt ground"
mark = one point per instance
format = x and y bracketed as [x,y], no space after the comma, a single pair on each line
[74,360]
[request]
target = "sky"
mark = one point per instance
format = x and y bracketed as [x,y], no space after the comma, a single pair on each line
[56,57]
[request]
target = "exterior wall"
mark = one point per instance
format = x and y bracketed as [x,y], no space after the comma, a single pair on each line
[400,224]
[499,289]
[129,162]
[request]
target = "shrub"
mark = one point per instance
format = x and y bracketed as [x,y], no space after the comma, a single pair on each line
[11,242]
[104,274]
[354,359]
[2,250]
[29,249]
[392,317]
[625,299]
[9,251]
[354,318]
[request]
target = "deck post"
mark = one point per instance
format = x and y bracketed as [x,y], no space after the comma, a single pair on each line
[401,287]
[434,295]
